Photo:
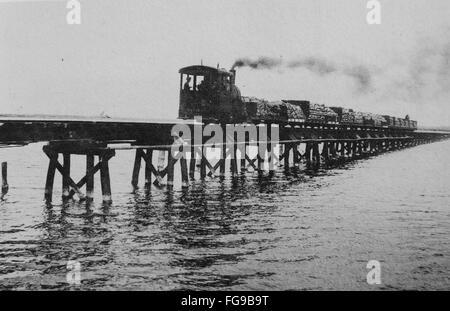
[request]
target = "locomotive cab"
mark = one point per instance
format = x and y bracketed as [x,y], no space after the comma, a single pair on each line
[211,93]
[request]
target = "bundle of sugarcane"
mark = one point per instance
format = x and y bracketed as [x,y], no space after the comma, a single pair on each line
[318,112]
[269,110]
[294,113]
[401,122]
[389,120]
[359,118]
[348,116]
[378,119]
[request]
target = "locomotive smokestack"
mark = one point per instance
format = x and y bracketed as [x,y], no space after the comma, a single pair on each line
[233,76]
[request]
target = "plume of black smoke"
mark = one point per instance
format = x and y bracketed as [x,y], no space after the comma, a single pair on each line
[319,66]
[260,63]
[362,75]
[417,77]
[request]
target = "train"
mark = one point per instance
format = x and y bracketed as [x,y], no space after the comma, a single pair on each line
[212,93]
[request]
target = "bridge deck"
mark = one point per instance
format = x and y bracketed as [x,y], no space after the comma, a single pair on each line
[23,129]
[432,132]
[11,118]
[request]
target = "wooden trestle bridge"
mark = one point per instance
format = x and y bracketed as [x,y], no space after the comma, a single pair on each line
[98,139]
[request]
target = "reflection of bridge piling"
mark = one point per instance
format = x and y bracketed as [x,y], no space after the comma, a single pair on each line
[294,146]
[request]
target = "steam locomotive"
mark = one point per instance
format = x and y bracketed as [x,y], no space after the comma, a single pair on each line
[212,93]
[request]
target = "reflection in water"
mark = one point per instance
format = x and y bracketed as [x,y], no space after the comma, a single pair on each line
[285,230]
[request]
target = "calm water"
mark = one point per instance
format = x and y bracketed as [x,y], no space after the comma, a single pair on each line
[286,232]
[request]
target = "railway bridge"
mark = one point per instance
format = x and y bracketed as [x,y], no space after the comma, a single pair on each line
[286,145]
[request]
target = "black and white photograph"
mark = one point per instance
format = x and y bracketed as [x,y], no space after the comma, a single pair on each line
[224,146]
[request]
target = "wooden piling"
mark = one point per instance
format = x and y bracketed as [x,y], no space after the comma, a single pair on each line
[234,166]
[223,156]
[105,180]
[262,146]
[325,152]
[5,186]
[295,155]
[192,163]
[261,160]
[136,168]
[89,177]
[184,173]
[203,163]
[223,160]
[271,155]
[148,168]
[243,154]
[65,179]
[333,149]
[354,149]
[235,152]
[316,154]
[170,169]
[53,157]
[287,151]
[343,149]
[360,148]
[308,154]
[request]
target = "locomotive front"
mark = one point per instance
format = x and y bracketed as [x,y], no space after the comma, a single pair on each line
[211,93]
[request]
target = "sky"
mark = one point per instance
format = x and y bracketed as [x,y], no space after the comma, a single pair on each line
[123,59]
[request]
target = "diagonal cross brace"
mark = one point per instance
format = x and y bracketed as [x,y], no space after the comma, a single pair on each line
[83,180]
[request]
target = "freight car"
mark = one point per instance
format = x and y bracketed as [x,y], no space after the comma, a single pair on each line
[345,116]
[212,93]
[315,113]
[262,110]
[279,112]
